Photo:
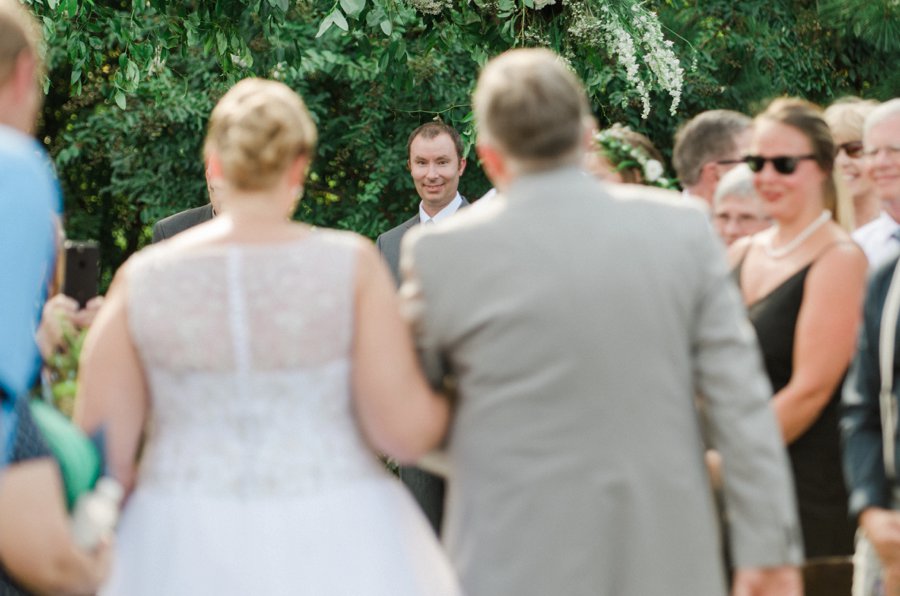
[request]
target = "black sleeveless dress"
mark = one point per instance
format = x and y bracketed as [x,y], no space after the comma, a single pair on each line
[815,455]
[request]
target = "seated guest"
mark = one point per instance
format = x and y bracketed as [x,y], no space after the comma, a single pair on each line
[737,210]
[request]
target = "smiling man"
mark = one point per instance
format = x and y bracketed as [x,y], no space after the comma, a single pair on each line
[435,161]
[881,151]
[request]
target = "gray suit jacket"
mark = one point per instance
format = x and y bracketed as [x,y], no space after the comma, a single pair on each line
[579,329]
[168,227]
[389,242]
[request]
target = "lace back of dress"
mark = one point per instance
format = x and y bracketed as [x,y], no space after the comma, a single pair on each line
[246,351]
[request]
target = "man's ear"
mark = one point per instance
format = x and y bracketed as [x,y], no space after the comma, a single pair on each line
[462,165]
[24,74]
[213,165]
[587,135]
[709,173]
[493,164]
[298,169]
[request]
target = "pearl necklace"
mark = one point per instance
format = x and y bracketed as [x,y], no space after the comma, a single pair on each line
[783,251]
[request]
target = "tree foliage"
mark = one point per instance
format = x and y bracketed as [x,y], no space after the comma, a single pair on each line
[130,85]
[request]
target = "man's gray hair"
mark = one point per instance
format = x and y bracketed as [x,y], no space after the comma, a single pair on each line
[709,136]
[886,111]
[532,108]
[736,183]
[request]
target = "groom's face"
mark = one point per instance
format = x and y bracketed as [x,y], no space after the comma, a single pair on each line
[435,169]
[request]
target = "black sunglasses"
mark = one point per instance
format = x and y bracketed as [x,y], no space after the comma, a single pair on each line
[853,149]
[784,164]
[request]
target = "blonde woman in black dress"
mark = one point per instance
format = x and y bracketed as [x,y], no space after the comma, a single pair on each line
[803,283]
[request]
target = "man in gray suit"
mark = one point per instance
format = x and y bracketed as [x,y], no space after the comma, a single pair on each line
[579,327]
[436,162]
[169,226]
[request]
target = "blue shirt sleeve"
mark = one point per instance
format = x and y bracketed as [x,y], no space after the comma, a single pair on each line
[29,207]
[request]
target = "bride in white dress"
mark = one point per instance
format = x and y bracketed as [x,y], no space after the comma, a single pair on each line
[245,371]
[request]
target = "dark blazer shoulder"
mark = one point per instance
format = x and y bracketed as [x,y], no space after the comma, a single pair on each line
[179,222]
[398,231]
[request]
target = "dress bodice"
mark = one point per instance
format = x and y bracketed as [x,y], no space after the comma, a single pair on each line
[246,349]
[815,454]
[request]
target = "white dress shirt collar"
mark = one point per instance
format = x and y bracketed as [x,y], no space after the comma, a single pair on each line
[444,213]
[877,240]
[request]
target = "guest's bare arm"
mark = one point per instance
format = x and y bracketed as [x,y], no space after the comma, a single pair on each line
[35,541]
[398,412]
[112,391]
[824,339]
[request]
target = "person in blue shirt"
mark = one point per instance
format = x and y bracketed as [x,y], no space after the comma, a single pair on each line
[37,553]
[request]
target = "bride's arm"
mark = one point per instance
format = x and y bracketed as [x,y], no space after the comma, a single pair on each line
[398,412]
[112,391]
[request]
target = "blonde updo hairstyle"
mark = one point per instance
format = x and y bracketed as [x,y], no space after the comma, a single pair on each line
[256,131]
[808,119]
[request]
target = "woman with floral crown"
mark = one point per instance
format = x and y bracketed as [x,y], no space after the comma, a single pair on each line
[623,155]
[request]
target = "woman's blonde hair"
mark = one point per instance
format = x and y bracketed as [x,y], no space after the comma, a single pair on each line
[847,116]
[256,130]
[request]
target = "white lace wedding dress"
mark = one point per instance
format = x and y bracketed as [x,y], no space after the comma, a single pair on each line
[254,478]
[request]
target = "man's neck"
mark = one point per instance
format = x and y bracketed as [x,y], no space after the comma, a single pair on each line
[701,192]
[892,208]
[865,209]
[432,210]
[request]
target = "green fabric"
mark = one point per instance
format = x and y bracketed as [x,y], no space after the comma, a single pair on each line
[76,454]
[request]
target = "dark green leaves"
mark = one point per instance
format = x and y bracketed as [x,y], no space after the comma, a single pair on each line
[353,8]
[336,17]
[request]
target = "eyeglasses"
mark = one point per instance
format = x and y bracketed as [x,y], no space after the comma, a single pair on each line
[784,164]
[729,162]
[891,150]
[853,149]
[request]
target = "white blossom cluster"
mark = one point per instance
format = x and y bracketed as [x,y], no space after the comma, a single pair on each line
[539,4]
[157,64]
[431,6]
[659,55]
[623,36]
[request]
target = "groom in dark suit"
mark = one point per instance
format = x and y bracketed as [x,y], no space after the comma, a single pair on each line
[436,162]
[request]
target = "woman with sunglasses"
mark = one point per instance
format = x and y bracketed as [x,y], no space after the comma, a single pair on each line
[802,281]
[845,118]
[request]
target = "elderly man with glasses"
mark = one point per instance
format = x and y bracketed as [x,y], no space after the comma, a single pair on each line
[870,463]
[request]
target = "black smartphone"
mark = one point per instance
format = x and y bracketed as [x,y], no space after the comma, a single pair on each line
[82,271]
